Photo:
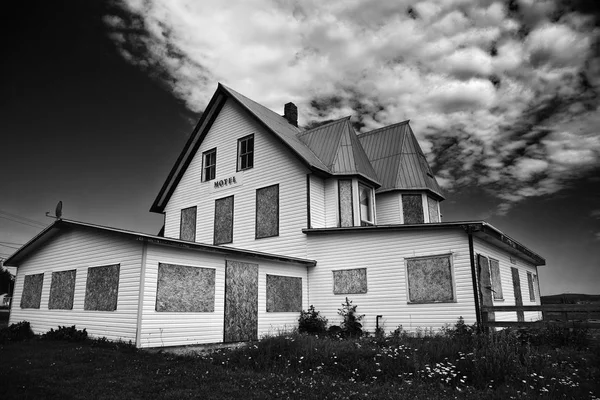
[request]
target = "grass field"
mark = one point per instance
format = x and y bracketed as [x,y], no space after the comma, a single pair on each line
[444,366]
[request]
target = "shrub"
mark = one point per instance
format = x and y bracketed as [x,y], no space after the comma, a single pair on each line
[311,322]
[16,332]
[351,325]
[68,333]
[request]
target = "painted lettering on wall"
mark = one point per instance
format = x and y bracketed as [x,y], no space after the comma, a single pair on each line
[227,182]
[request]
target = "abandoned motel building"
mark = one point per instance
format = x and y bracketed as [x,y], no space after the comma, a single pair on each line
[263,219]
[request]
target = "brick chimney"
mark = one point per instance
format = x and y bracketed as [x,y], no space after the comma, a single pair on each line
[290,112]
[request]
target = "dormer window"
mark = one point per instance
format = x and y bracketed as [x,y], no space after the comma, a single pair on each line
[209,165]
[366,205]
[245,153]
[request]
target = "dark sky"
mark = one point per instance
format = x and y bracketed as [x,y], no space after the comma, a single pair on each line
[80,124]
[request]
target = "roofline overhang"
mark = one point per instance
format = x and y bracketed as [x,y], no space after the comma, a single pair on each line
[437,195]
[479,229]
[62,224]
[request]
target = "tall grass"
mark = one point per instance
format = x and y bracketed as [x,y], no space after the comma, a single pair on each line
[505,362]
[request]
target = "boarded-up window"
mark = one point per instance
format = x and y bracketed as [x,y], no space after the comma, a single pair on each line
[412,206]
[102,288]
[267,212]
[62,290]
[345,196]
[223,220]
[350,281]
[32,291]
[187,229]
[496,282]
[430,279]
[530,284]
[284,293]
[432,205]
[185,289]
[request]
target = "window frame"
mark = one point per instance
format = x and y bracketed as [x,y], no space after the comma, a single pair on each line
[530,286]
[208,168]
[452,278]
[371,197]
[249,154]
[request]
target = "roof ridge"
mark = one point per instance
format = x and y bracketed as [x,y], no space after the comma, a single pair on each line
[337,121]
[383,127]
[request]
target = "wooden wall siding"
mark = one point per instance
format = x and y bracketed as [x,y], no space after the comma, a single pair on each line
[80,250]
[62,290]
[102,288]
[350,281]
[188,224]
[504,264]
[241,302]
[384,254]
[284,294]
[317,202]
[346,204]
[273,164]
[223,230]
[432,205]
[32,291]
[185,289]
[496,279]
[430,279]
[412,205]
[267,212]
[388,208]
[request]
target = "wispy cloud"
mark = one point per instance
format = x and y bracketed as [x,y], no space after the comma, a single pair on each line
[502,95]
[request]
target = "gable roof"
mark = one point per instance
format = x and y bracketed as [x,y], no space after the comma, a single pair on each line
[398,159]
[62,225]
[338,147]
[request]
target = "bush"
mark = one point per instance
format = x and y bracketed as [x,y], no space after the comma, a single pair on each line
[16,332]
[311,322]
[68,333]
[351,325]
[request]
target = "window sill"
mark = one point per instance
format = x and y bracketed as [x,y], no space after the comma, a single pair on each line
[430,302]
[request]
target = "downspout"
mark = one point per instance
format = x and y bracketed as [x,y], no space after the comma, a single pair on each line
[474,279]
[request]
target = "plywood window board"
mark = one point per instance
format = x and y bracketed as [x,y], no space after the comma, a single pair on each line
[432,205]
[32,291]
[284,293]
[183,288]
[102,288]
[62,290]
[187,229]
[350,281]
[223,220]
[412,206]
[496,281]
[267,212]
[430,279]
[345,202]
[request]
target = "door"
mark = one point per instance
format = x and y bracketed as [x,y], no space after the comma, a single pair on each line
[517,287]
[485,286]
[241,302]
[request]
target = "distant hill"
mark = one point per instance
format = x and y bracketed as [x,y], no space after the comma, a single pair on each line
[571,298]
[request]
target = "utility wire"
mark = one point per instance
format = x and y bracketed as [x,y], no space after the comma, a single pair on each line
[23,219]
[21,222]
[7,245]
[13,243]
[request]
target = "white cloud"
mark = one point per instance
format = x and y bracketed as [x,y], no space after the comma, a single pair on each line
[496,95]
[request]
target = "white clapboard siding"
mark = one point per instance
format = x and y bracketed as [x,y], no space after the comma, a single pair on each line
[388,208]
[317,202]
[81,249]
[160,329]
[383,253]
[504,258]
[273,164]
[272,323]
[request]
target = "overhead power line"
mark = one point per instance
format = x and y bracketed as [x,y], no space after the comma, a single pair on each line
[8,245]
[13,243]
[32,221]
[21,220]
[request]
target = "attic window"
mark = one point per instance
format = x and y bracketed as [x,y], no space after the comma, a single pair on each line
[209,165]
[245,153]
